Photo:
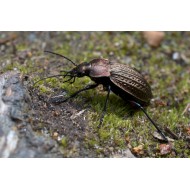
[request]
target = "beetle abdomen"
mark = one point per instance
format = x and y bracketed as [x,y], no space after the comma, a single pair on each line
[131,82]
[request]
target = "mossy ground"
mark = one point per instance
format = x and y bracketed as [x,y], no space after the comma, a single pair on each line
[169,79]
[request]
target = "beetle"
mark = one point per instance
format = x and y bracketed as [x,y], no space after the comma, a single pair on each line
[123,80]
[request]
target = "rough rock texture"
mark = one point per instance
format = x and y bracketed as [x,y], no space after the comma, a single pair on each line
[17,139]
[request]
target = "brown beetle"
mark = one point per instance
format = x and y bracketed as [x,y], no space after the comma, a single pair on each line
[121,79]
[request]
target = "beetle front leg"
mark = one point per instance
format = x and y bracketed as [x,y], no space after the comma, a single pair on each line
[105,107]
[57,99]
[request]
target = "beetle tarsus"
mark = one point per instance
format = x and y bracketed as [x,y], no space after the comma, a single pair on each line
[160,132]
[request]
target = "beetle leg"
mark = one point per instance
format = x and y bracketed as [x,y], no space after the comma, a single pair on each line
[105,107]
[137,104]
[57,99]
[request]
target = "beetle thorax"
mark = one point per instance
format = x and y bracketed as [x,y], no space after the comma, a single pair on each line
[99,68]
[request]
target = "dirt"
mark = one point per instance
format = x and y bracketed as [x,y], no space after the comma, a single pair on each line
[62,123]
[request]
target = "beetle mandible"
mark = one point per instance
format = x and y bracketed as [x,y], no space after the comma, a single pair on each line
[121,79]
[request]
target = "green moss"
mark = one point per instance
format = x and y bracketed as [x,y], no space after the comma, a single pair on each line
[64,142]
[91,142]
[44,89]
[21,47]
[104,135]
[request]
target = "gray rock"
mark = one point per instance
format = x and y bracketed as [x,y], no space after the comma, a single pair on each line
[17,139]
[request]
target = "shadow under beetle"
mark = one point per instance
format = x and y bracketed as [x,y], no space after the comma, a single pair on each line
[121,79]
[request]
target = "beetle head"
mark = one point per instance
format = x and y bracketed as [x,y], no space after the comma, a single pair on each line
[81,70]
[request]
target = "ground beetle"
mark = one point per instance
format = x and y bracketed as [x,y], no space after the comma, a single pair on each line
[121,79]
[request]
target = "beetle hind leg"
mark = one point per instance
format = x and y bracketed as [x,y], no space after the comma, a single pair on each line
[155,125]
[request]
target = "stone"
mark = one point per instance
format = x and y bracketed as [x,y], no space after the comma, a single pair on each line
[17,138]
[153,38]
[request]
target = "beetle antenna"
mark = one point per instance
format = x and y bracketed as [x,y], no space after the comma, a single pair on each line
[50,77]
[61,56]
[163,136]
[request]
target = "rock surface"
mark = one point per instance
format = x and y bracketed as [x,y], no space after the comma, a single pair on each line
[17,139]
